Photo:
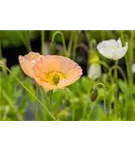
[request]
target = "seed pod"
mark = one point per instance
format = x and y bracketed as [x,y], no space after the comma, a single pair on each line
[52,47]
[93,95]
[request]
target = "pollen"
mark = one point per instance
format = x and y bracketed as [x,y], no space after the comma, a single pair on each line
[53,77]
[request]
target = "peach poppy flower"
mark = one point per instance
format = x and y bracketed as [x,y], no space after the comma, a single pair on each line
[51,71]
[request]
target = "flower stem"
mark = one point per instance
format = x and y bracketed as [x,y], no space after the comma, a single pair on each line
[70,43]
[46,109]
[63,41]
[50,101]
[36,111]
[42,42]
[116,82]
[75,46]
[120,70]
[104,96]
[0,51]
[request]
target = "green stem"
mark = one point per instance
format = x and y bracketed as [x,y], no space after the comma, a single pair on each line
[116,81]
[63,41]
[50,101]
[0,51]
[98,84]
[75,46]
[84,47]
[73,113]
[36,113]
[84,112]
[70,44]
[121,71]
[129,56]
[104,64]
[42,42]
[87,34]
[89,117]
[46,109]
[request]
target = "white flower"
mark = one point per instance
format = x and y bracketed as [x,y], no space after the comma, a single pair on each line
[133,68]
[112,49]
[94,71]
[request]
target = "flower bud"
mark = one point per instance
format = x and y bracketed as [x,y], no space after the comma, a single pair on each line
[93,94]
[94,71]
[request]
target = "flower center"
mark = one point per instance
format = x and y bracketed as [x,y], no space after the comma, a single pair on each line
[53,77]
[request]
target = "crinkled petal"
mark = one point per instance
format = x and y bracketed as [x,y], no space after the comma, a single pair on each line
[27,62]
[112,49]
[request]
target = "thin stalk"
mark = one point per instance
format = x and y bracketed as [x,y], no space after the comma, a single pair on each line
[116,81]
[128,57]
[121,71]
[43,42]
[104,96]
[88,38]
[36,113]
[46,109]
[50,101]
[75,46]
[0,51]
[63,41]
[70,44]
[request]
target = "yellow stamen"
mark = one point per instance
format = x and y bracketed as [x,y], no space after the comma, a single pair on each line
[53,77]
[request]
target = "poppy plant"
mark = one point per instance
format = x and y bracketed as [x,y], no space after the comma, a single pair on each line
[50,71]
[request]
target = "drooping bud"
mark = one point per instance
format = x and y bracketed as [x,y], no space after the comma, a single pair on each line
[94,71]
[93,95]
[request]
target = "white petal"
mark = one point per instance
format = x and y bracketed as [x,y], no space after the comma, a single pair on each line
[111,44]
[106,52]
[94,71]
[120,53]
[133,68]
[108,44]
[119,42]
